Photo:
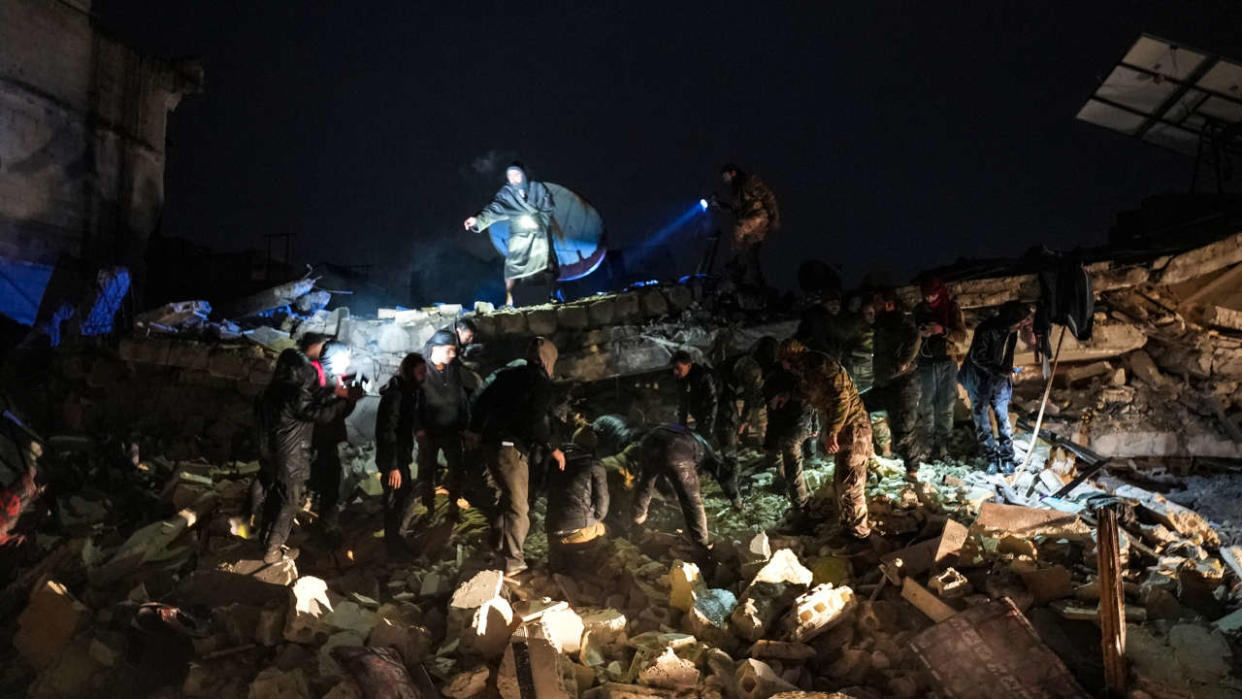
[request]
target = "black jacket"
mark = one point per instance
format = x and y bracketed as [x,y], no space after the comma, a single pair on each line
[396,422]
[288,411]
[897,343]
[445,405]
[835,336]
[991,350]
[699,397]
[577,496]
[517,406]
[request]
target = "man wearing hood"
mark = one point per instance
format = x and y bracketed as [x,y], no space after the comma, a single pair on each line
[527,206]
[987,375]
[444,413]
[286,413]
[942,327]
[513,419]
[396,423]
[756,216]
[577,506]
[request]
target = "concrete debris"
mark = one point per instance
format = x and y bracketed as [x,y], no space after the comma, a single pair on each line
[48,623]
[273,683]
[817,611]
[467,684]
[757,680]
[308,604]
[668,671]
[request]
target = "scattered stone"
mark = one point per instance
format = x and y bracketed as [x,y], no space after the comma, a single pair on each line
[51,619]
[467,684]
[308,604]
[780,650]
[685,585]
[550,676]
[273,683]
[755,679]
[1048,584]
[950,584]
[817,611]
[668,671]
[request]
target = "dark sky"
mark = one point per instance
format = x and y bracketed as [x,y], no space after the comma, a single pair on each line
[897,135]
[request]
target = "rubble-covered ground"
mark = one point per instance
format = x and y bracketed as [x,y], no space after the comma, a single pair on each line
[183,607]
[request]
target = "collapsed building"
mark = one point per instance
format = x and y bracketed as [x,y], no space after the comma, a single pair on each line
[140,573]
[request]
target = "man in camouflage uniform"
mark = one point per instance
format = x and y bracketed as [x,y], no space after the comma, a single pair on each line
[845,431]
[897,387]
[756,215]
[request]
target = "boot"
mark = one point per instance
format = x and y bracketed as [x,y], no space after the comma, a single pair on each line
[993,467]
[1007,466]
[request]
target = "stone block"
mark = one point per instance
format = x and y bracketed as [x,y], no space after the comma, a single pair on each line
[308,604]
[510,323]
[784,567]
[350,616]
[755,679]
[229,364]
[564,628]
[679,297]
[411,641]
[468,684]
[754,554]
[573,317]
[925,601]
[601,313]
[950,584]
[1048,584]
[816,611]
[781,650]
[550,675]
[269,630]
[274,683]
[489,630]
[328,665]
[541,321]
[685,585]
[478,590]
[653,303]
[627,307]
[667,671]
[48,623]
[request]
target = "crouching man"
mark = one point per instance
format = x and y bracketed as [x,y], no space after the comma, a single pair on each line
[396,423]
[676,453]
[577,506]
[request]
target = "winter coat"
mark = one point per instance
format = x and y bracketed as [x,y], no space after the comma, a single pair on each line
[288,411]
[577,496]
[445,404]
[834,335]
[396,422]
[989,363]
[699,397]
[517,406]
[755,209]
[897,345]
[945,345]
[529,251]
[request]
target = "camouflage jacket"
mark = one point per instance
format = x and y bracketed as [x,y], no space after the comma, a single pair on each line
[756,211]
[829,389]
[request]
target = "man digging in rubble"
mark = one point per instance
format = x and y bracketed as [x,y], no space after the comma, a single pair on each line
[286,414]
[715,417]
[577,506]
[396,423]
[444,414]
[845,432]
[897,387]
[513,421]
[676,453]
[942,327]
[987,375]
[790,419]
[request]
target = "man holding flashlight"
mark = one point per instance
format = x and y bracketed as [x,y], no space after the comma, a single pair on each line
[527,206]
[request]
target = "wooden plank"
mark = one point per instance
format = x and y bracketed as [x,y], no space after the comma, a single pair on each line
[1112,603]
[925,601]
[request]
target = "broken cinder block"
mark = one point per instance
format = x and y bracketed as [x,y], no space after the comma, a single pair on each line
[950,584]
[818,610]
[685,585]
[755,679]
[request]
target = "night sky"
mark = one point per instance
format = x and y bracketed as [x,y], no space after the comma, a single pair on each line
[896,135]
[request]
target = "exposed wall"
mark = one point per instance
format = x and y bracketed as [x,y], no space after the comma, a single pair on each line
[82,122]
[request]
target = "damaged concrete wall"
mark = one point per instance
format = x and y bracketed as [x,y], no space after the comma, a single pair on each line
[82,123]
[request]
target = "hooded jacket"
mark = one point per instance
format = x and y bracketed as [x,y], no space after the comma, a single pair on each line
[577,496]
[396,422]
[518,404]
[445,404]
[948,314]
[829,389]
[287,412]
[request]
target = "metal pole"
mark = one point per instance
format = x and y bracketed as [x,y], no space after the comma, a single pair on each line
[1112,602]
[1043,404]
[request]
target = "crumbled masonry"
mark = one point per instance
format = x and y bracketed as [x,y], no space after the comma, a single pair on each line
[152,583]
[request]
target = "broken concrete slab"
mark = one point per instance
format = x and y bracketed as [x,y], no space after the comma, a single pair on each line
[755,679]
[488,632]
[816,611]
[667,671]
[780,650]
[685,585]
[467,684]
[274,683]
[564,628]
[1029,521]
[532,669]
[1180,519]
[991,648]
[308,604]
[1048,584]
[48,623]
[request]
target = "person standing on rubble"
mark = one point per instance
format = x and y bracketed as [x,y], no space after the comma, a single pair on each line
[676,453]
[897,386]
[756,216]
[577,506]
[331,367]
[715,416]
[513,421]
[527,206]
[286,415]
[744,377]
[942,327]
[845,431]
[445,414]
[396,424]
[987,375]
[790,419]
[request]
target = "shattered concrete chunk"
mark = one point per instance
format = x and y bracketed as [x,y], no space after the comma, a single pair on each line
[47,624]
[544,673]
[668,671]
[490,627]
[467,684]
[308,604]
[1048,584]
[925,601]
[783,567]
[274,683]
[685,585]
[328,666]
[412,642]
[950,584]
[478,590]
[817,611]
[755,679]
[564,628]
[780,650]
[349,616]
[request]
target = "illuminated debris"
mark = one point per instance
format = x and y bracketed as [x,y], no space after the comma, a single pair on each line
[950,584]
[755,679]
[817,611]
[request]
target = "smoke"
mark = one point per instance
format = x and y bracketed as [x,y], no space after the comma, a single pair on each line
[492,161]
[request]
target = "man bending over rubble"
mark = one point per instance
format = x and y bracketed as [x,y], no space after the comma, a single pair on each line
[987,375]
[287,412]
[577,506]
[676,453]
[513,419]
[845,431]
[715,416]
[396,423]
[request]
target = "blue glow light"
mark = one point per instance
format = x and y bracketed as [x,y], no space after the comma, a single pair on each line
[703,204]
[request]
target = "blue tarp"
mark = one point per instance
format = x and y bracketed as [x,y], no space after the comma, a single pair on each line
[21,289]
